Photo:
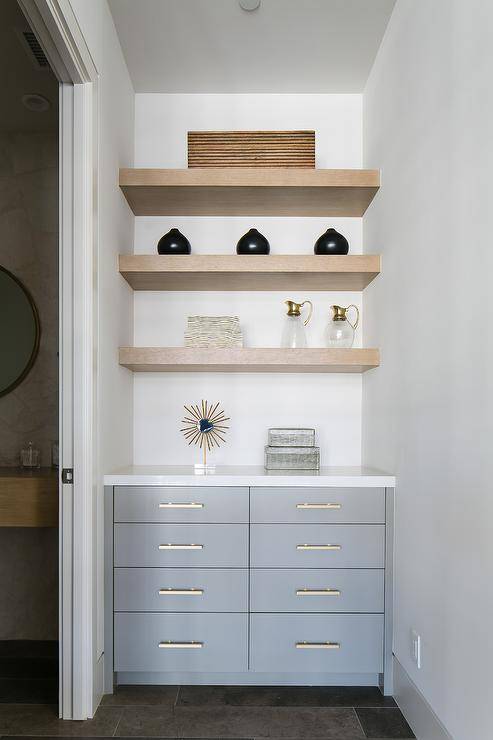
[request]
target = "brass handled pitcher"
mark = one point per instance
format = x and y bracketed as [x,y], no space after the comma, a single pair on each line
[293,333]
[340,331]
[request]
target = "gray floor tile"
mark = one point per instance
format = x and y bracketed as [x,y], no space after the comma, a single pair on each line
[149,721]
[39,719]
[141,696]
[268,722]
[384,723]
[284,696]
[28,691]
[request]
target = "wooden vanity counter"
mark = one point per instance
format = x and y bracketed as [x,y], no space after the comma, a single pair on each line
[28,498]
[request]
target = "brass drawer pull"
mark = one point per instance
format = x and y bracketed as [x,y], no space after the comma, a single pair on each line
[181,547]
[186,645]
[318,645]
[318,506]
[318,547]
[181,591]
[318,592]
[171,505]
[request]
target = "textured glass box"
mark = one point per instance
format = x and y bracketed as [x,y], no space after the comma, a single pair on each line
[291,437]
[292,458]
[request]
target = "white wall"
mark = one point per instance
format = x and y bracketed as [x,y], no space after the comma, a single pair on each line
[427,412]
[331,404]
[114,312]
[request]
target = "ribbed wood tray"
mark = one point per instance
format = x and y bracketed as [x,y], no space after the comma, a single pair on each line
[251,149]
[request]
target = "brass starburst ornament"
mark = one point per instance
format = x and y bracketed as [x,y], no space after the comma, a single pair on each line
[204,426]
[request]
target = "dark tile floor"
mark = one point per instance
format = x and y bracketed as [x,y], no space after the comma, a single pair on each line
[246,713]
[28,672]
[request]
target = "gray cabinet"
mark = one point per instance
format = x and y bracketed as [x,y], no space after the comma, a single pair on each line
[248,585]
[316,590]
[318,505]
[304,643]
[181,642]
[317,545]
[181,545]
[181,590]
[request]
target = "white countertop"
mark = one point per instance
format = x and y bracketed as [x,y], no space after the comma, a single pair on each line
[248,475]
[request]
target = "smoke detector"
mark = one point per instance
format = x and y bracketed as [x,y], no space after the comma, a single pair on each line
[249,4]
[36,103]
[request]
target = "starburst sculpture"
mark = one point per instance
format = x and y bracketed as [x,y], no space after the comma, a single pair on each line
[204,426]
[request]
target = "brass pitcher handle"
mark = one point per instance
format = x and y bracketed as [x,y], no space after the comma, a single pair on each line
[310,311]
[351,305]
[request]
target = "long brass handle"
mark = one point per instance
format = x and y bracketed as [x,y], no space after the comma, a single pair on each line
[318,592]
[171,505]
[318,506]
[318,645]
[318,547]
[181,591]
[186,645]
[181,547]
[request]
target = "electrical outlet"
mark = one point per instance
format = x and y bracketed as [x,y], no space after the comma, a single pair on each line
[416,648]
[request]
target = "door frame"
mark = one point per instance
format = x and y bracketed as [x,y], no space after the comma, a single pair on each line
[60,36]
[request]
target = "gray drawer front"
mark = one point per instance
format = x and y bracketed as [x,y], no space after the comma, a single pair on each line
[223,640]
[181,590]
[215,545]
[318,505]
[274,637]
[180,504]
[354,545]
[327,590]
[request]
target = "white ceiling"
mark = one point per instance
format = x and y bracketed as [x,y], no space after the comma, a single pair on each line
[213,46]
[19,76]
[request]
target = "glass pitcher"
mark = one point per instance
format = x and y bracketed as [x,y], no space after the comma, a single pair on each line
[340,331]
[293,333]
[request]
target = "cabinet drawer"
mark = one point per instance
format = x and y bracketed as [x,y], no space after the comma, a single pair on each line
[181,504]
[181,590]
[317,545]
[181,642]
[327,590]
[306,643]
[181,545]
[318,505]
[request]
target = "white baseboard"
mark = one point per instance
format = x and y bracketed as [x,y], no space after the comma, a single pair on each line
[420,716]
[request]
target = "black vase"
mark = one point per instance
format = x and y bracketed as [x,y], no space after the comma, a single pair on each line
[174,243]
[253,242]
[331,243]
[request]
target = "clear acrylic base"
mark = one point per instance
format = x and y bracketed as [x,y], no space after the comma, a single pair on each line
[201,469]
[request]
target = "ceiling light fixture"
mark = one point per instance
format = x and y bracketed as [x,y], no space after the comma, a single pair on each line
[36,103]
[249,4]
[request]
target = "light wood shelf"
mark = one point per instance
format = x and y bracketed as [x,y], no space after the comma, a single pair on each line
[28,499]
[249,191]
[249,272]
[248,360]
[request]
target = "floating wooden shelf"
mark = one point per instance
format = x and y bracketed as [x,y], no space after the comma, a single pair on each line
[247,360]
[249,272]
[249,192]
[28,499]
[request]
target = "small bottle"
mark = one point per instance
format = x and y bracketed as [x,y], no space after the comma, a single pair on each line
[293,333]
[30,457]
[340,331]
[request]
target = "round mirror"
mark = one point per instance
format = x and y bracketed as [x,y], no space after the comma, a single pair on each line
[19,331]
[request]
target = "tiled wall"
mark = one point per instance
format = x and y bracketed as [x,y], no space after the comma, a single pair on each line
[29,248]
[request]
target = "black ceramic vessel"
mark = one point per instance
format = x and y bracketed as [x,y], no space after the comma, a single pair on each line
[331,243]
[174,243]
[253,242]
